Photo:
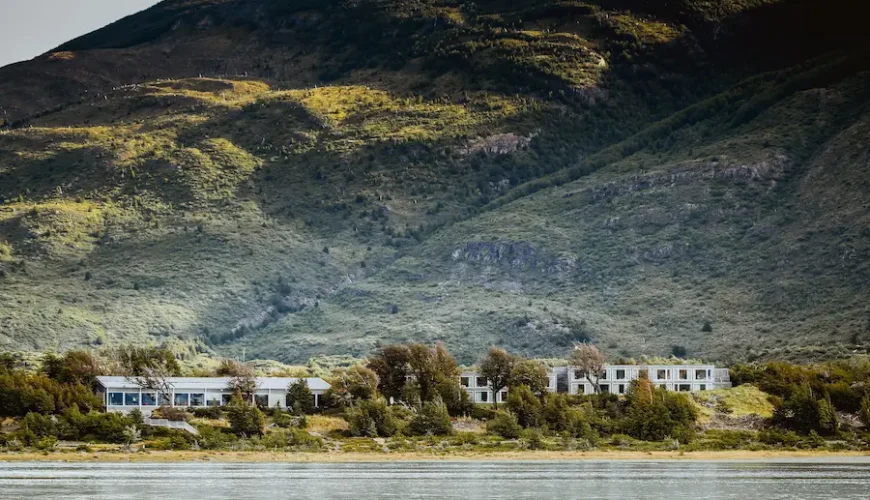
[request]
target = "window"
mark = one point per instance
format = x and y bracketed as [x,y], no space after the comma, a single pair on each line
[604,375]
[581,389]
[149,399]
[579,374]
[181,399]
[225,399]
[605,388]
[700,374]
[163,400]
[261,400]
[484,397]
[503,396]
[620,374]
[684,374]
[661,374]
[116,399]
[482,382]
[703,387]
[131,399]
[197,399]
[464,381]
[684,388]
[214,400]
[621,388]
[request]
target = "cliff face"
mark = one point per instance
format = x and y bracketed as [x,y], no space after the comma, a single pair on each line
[310,178]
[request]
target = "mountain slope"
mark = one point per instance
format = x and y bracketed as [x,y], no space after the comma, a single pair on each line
[301,179]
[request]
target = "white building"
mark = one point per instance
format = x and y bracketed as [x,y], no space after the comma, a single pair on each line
[122,394]
[615,379]
[478,387]
[681,378]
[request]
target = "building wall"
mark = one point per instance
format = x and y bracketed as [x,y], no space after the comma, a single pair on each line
[212,397]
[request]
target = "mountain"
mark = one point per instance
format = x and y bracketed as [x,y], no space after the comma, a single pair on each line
[299,178]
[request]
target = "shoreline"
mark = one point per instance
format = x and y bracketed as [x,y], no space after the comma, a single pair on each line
[352,457]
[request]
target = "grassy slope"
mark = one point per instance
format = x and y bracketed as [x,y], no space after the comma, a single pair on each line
[453,182]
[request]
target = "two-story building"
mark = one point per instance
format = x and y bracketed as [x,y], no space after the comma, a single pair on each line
[122,394]
[614,379]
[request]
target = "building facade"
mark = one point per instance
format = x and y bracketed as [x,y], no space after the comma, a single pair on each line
[614,379]
[122,394]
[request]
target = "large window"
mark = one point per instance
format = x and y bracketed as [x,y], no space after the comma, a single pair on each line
[605,388]
[181,399]
[197,399]
[131,399]
[484,397]
[225,399]
[464,381]
[503,396]
[620,388]
[116,399]
[579,374]
[684,388]
[214,400]
[581,389]
[261,400]
[482,382]
[700,374]
[620,374]
[684,374]
[149,399]
[163,400]
[661,374]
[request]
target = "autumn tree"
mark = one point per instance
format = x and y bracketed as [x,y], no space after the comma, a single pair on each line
[429,366]
[496,367]
[590,361]
[354,383]
[149,367]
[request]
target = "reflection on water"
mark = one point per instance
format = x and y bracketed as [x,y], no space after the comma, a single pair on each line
[439,480]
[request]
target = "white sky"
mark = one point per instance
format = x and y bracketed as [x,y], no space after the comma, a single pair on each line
[29,28]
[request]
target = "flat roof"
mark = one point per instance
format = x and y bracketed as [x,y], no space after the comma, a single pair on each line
[213,383]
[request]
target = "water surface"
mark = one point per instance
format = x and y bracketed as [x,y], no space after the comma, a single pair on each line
[438,480]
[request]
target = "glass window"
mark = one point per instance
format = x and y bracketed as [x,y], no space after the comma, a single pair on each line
[197,400]
[703,387]
[700,374]
[503,396]
[621,388]
[464,381]
[620,374]
[116,399]
[149,399]
[578,374]
[163,400]
[684,388]
[261,400]
[684,374]
[225,399]
[214,400]
[482,382]
[484,397]
[581,389]
[181,399]
[661,374]
[605,388]
[604,375]
[131,399]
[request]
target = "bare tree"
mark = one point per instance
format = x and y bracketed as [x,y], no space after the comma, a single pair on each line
[243,383]
[590,361]
[149,368]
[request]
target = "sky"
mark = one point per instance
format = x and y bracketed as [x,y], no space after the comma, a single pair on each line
[29,28]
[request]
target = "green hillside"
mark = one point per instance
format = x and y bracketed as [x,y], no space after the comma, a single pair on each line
[313,178]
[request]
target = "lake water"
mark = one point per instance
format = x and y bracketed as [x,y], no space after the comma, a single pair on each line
[439,480]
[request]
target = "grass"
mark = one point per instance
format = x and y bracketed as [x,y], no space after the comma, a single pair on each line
[744,400]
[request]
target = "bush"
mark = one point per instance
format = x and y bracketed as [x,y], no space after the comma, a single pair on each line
[171,413]
[433,419]
[211,412]
[559,416]
[245,420]
[292,439]
[371,418]
[300,398]
[504,424]
[286,421]
[525,405]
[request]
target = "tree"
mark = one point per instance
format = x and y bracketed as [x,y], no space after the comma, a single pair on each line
[504,424]
[299,397]
[392,365]
[429,366]
[590,361]
[864,412]
[74,367]
[354,383]
[532,374]
[231,368]
[525,405]
[245,419]
[432,419]
[149,367]
[496,367]
[243,384]
[371,418]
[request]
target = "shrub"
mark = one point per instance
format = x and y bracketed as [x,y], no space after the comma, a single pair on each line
[525,405]
[286,421]
[171,413]
[245,420]
[433,419]
[211,412]
[504,424]
[292,439]
[371,418]
[864,412]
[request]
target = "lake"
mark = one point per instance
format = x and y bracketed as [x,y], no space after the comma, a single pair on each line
[845,479]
